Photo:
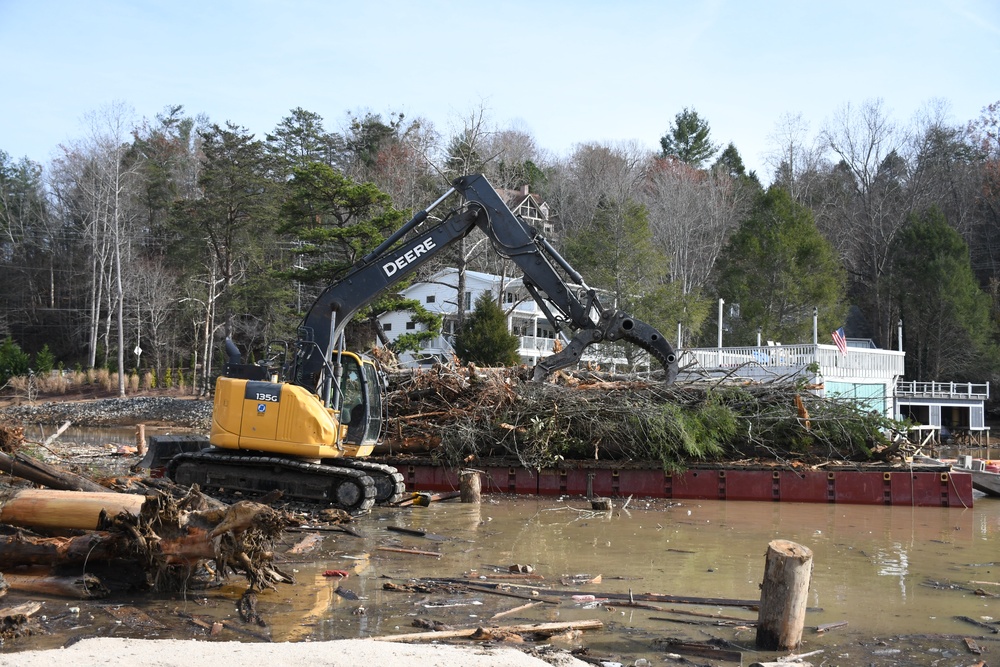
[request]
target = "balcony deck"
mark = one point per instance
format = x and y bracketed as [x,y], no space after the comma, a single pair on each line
[764,363]
[949,390]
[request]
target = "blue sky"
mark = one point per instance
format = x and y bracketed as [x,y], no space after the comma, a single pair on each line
[566,71]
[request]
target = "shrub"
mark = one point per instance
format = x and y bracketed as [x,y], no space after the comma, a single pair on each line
[13,360]
[484,339]
[44,361]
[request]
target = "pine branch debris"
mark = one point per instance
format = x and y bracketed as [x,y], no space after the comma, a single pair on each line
[459,414]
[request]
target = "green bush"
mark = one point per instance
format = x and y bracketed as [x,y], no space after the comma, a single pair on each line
[45,361]
[13,360]
[484,339]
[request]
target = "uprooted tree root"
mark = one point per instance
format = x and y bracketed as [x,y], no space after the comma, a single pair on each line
[11,438]
[173,537]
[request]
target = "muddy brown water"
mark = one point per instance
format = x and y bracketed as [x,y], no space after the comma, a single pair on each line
[903,579]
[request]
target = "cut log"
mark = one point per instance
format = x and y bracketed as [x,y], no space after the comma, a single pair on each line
[783,596]
[47,508]
[23,466]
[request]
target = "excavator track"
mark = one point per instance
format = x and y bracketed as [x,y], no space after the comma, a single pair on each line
[352,490]
[390,487]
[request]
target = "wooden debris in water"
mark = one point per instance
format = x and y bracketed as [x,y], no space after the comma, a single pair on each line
[547,629]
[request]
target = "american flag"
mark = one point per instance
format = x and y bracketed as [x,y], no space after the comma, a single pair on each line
[839,340]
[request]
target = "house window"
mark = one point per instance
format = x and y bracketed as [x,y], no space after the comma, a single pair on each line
[510,297]
[431,298]
[387,326]
[468,300]
[411,325]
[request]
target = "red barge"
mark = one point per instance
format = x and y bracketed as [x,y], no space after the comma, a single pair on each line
[916,486]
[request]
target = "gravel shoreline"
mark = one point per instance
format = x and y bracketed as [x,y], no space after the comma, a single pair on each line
[166,410]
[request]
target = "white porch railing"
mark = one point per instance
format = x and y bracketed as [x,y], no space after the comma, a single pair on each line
[537,343]
[979,392]
[768,362]
[437,344]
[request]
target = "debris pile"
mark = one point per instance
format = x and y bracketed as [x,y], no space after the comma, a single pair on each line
[461,414]
[152,540]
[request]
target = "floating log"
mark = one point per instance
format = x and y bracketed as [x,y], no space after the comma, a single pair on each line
[704,650]
[523,607]
[826,627]
[783,596]
[550,628]
[416,552]
[48,508]
[416,533]
[663,598]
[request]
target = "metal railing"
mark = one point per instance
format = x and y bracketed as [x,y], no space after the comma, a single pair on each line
[943,390]
[758,362]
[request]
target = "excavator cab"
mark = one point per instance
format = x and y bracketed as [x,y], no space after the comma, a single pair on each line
[361,400]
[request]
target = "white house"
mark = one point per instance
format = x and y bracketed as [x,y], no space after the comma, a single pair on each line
[439,295]
[871,376]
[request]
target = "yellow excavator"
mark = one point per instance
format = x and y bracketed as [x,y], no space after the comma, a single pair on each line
[305,423]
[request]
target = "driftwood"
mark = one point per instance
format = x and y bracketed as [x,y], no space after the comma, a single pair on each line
[415,552]
[519,608]
[16,621]
[167,537]
[21,465]
[19,549]
[544,628]
[84,587]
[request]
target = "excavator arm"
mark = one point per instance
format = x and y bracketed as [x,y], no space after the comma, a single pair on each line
[581,310]
[578,306]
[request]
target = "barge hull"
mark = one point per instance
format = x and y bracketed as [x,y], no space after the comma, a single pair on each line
[937,487]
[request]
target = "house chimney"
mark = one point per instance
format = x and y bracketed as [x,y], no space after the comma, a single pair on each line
[524,189]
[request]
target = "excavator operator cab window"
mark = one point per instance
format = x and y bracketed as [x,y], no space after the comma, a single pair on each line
[352,405]
[361,400]
[373,384]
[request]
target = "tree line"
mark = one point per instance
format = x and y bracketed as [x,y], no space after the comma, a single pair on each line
[146,240]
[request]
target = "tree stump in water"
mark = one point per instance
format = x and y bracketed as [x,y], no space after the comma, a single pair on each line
[470,486]
[783,596]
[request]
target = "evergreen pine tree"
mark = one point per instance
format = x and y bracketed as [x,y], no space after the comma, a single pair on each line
[484,338]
